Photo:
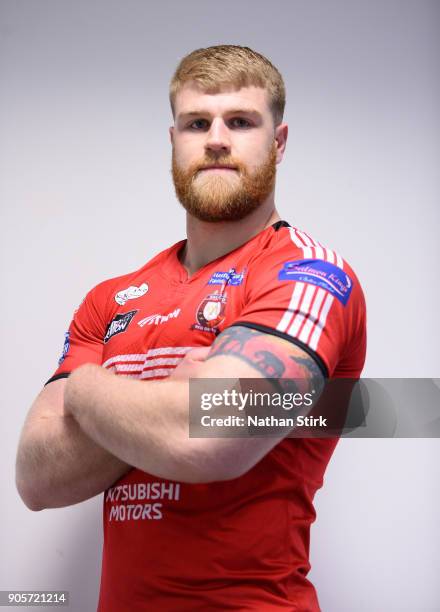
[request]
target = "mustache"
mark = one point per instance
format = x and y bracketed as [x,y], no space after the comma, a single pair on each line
[223,162]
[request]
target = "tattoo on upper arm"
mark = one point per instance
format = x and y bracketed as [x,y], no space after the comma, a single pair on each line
[272,356]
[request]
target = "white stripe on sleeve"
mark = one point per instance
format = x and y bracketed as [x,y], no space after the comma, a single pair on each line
[320,324]
[293,306]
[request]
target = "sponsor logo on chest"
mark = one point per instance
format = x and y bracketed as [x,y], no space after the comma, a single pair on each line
[131,293]
[231,278]
[119,324]
[158,319]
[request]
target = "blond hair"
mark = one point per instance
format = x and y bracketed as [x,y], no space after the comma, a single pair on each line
[230,65]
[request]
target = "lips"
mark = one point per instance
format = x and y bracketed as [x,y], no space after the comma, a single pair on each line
[218,168]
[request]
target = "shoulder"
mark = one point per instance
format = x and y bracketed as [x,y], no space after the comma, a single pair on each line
[319,255]
[291,243]
[292,254]
[297,244]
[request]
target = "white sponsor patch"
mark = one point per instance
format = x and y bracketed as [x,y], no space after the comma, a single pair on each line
[158,319]
[130,293]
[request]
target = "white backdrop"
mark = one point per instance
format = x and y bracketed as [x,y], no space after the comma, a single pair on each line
[86,194]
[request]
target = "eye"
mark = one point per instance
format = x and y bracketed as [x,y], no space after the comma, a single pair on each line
[198,124]
[240,122]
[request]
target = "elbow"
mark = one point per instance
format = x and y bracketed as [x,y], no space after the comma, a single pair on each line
[28,495]
[228,472]
[202,461]
[33,505]
[215,474]
[207,467]
[28,486]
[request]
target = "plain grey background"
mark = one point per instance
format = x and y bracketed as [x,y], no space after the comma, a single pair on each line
[86,194]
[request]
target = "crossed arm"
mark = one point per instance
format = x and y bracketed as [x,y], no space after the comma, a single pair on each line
[111,423]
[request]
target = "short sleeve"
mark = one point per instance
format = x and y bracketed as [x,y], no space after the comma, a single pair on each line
[316,304]
[83,342]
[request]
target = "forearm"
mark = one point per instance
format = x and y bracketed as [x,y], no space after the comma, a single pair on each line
[59,465]
[147,425]
[144,424]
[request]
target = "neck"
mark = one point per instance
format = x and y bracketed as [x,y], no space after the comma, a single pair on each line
[208,241]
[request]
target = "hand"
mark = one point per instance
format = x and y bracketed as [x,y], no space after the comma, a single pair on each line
[189,367]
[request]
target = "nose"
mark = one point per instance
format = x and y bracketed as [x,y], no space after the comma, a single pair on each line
[218,137]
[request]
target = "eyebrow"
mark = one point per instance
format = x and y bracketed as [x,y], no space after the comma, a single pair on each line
[237,111]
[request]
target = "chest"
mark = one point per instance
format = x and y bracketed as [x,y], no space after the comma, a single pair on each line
[158,320]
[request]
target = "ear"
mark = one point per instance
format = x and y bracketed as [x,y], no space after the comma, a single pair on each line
[281,132]
[171,131]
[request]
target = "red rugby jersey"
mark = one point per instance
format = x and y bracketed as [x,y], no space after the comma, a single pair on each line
[242,544]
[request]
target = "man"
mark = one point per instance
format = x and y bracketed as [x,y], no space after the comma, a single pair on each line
[201,523]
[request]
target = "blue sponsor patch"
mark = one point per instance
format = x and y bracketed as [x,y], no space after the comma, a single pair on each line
[66,347]
[320,273]
[229,278]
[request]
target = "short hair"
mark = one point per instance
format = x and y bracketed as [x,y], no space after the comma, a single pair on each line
[230,65]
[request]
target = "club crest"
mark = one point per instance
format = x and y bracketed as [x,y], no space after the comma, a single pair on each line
[210,313]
